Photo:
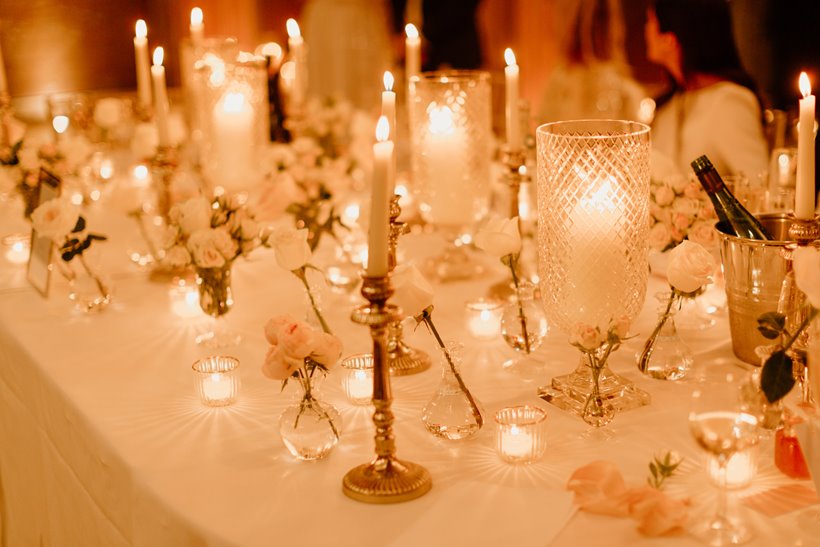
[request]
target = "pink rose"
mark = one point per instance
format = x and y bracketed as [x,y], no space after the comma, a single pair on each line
[659,236]
[274,324]
[664,195]
[658,514]
[328,349]
[621,326]
[297,339]
[692,190]
[704,233]
[277,365]
[595,485]
[681,221]
[586,336]
[707,212]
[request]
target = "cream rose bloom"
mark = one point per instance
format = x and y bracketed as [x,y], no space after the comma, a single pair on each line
[290,247]
[225,244]
[659,236]
[703,233]
[193,215]
[586,336]
[499,237]
[690,267]
[664,195]
[297,339]
[55,219]
[412,292]
[177,257]
[202,246]
[807,273]
[328,349]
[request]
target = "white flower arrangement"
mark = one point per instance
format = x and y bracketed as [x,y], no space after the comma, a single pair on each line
[680,209]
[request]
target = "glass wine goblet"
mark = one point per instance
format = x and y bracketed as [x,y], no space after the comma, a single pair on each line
[722,424]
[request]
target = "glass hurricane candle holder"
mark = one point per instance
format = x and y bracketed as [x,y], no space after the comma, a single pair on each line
[520,433]
[217,380]
[451,135]
[483,316]
[357,381]
[593,202]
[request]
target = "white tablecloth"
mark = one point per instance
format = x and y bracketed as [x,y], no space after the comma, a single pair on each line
[103,441]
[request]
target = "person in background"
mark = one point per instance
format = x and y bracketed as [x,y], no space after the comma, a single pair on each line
[712,106]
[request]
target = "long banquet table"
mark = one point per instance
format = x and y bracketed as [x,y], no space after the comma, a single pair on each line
[103,441]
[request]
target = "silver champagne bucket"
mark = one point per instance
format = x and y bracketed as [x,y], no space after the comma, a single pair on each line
[754,272]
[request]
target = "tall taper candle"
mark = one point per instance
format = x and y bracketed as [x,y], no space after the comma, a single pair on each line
[4,86]
[143,66]
[296,46]
[804,194]
[383,178]
[389,102]
[511,90]
[412,51]
[197,28]
[161,105]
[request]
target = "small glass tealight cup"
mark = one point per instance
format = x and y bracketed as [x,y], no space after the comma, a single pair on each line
[520,433]
[357,381]
[483,317]
[217,380]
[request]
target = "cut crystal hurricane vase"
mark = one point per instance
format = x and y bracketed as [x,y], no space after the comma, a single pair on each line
[593,205]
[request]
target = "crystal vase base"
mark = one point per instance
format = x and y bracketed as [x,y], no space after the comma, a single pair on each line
[570,392]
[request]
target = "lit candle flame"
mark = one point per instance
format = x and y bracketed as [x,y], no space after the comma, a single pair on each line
[441,120]
[382,129]
[388,81]
[805,84]
[196,17]
[293,28]
[509,57]
[271,49]
[159,54]
[234,102]
[141,29]
[411,30]
[60,124]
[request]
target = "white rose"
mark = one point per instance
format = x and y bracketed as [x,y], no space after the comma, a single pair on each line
[690,267]
[145,140]
[177,257]
[664,195]
[412,292]
[194,214]
[55,219]
[225,244]
[500,237]
[202,246]
[659,236]
[108,112]
[704,233]
[291,247]
[807,273]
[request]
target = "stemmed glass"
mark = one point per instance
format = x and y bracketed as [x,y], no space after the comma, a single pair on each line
[722,424]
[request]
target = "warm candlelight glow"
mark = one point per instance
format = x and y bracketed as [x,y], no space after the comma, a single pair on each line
[106,169]
[509,57]
[804,84]
[520,436]
[388,80]
[234,102]
[217,380]
[441,120]
[293,28]
[141,29]
[382,129]
[411,30]
[159,55]
[271,49]
[484,318]
[60,124]
[196,17]
[140,172]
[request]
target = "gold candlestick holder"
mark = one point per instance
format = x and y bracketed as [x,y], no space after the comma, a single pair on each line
[5,112]
[163,165]
[402,359]
[386,479]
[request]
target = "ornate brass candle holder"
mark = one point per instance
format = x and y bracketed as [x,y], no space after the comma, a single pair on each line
[5,112]
[402,359]
[513,176]
[386,479]
[163,165]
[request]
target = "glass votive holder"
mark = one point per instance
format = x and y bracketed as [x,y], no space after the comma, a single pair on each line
[357,381]
[217,380]
[484,318]
[520,436]
[740,469]
[17,248]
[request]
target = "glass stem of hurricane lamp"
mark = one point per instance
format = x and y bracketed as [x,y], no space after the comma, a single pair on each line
[521,317]
[428,320]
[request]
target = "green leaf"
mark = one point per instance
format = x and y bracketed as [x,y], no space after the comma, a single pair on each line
[80,226]
[777,378]
[771,324]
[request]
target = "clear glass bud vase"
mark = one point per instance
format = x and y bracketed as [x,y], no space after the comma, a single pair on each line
[523,321]
[88,290]
[453,413]
[310,428]
[215,299]
[665,356]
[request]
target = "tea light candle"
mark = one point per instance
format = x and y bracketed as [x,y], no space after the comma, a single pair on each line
[185,300]
[217,380]
[357,381]
[484,318]
[520,434]
[18,248]
[740,469]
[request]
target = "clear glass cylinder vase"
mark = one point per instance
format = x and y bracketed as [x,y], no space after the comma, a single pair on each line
[593,206]
[453,413]
[216,300]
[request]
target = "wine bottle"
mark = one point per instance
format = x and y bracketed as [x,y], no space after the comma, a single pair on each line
[729,210]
